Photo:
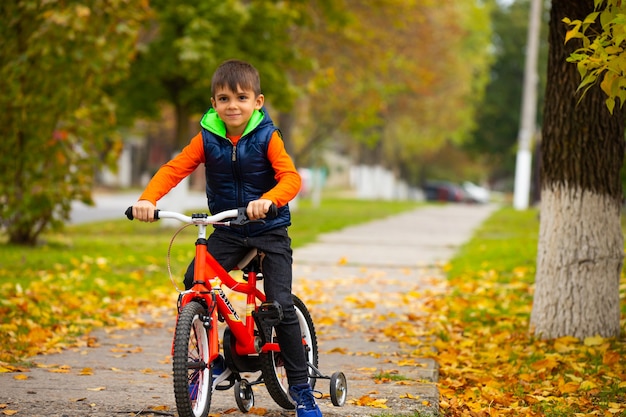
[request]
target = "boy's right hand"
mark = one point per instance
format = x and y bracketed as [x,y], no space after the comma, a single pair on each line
[143,210]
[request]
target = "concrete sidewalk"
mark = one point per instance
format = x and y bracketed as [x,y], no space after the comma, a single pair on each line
[359,284]
[366,274]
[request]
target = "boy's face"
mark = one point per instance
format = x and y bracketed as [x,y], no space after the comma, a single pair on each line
[236,107]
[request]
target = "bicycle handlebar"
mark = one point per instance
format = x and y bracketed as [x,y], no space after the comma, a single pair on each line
[239,216]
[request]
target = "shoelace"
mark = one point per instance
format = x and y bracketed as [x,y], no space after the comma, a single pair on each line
[307,399]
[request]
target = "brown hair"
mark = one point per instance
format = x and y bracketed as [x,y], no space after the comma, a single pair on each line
[234,73]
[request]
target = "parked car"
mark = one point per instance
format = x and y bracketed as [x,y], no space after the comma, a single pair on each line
[476,193]
[444,191]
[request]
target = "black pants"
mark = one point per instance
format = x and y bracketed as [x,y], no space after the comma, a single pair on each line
[228,248]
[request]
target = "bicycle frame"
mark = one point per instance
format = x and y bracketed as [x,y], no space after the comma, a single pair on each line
[209,276]
[205,303]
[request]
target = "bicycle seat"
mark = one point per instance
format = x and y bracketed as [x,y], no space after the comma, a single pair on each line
[251,262]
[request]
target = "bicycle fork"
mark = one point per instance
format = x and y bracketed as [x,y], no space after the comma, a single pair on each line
[209,323]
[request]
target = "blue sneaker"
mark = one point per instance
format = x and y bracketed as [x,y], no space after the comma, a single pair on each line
[302,394]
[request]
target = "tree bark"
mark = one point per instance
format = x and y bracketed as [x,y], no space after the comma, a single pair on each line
[581,247]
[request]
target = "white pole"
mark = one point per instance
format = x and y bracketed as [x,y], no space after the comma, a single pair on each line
[529,111]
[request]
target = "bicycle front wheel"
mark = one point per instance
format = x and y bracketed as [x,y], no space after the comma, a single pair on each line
[192,373]
[272,365]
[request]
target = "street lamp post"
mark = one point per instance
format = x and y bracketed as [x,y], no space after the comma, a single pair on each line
[529,111]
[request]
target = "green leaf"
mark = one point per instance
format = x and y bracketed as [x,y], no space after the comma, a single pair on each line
[610,104]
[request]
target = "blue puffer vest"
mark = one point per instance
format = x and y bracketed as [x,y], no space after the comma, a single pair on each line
[236,175]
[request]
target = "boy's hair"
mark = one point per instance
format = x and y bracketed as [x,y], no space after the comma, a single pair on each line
[233,73]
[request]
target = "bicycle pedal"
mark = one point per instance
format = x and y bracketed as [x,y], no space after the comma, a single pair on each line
[270,313]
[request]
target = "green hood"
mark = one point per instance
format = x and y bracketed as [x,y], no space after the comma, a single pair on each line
[211,122]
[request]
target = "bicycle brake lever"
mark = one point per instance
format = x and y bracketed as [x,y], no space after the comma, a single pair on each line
[242,218]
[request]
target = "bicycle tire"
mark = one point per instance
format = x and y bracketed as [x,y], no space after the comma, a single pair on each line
[272,368]
[192,373]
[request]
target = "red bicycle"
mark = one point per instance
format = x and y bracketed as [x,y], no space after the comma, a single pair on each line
[249,343]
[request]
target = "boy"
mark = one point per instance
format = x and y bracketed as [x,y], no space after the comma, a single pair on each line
[246,165]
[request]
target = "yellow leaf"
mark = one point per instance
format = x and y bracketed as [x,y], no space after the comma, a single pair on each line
[62,370]
[565,344]
[574,33]
[587,385]
[569,387]
[160,408]
[594,341]
[9,412]
[547,363]
[368,401]
[20,377]
[86,371]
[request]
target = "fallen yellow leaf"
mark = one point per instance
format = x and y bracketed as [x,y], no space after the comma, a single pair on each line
[587,385]
[594,341]
[368,401]
[569,387]
[160,408]
[86,371]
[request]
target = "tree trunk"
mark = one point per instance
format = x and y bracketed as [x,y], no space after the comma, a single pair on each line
[580,250]
[182,125]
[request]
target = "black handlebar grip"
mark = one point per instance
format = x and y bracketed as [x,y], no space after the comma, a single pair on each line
[129,213]
[272,212]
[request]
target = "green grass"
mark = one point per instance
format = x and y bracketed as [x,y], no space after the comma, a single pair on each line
[505,242]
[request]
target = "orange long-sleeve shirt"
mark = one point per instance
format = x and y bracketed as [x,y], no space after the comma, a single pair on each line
[192,155]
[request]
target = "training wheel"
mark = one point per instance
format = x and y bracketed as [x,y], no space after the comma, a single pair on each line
[244,395]
[338,389]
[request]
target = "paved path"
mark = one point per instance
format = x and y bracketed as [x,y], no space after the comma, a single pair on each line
[356,283]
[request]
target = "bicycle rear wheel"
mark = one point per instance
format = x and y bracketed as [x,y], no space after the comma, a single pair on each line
[272,365]
[192,373]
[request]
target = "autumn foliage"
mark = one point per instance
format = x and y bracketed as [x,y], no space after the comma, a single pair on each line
[490,364]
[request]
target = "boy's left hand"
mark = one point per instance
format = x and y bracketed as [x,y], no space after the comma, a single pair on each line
[258,208]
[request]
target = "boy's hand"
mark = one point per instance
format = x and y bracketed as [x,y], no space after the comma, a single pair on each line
[143,210]
[258,208]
